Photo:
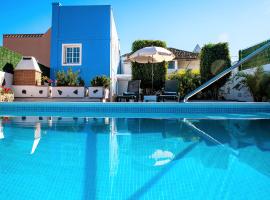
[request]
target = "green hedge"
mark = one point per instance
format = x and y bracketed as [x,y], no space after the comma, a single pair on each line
[215,58]
[8,59]
[143,72]
[259,60]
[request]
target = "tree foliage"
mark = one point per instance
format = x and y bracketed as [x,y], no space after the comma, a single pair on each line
[258,84]
[8,60]
[187,81]
[215,58]
[143,72]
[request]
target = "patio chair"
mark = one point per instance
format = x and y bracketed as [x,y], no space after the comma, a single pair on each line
[132,93]
[170,91]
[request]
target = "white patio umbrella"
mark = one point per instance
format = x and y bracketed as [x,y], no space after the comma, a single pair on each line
[152,55]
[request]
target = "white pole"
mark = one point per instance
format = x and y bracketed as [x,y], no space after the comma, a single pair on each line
[152,73]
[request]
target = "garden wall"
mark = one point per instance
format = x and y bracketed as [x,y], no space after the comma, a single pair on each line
[229,92]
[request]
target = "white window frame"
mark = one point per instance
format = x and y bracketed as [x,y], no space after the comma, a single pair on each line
[64,47]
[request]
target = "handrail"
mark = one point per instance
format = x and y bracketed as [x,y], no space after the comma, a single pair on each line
[227,71]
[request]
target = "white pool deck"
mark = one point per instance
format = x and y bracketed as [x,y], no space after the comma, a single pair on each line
[56,100]
[95,100]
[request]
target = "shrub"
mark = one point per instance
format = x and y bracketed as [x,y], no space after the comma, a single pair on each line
[258,84]
[215,58]
[100,81]
[68,78]
[61,78]
[45,79]
[72,78]
[187,80]
[81,81]
[143,72]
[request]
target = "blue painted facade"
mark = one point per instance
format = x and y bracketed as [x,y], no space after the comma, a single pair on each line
[90,26]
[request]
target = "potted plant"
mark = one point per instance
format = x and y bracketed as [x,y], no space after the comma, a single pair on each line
[99,87]
[46,81]
[68,84]
[6,94]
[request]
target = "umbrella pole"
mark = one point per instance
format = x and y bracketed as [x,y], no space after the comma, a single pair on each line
[152,77]
[152,74]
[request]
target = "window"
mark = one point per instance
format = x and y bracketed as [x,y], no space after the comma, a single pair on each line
[172,65]
[71,54]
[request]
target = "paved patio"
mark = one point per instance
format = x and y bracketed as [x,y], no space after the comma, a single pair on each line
[56,100]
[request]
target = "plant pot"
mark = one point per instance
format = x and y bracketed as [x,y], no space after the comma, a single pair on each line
[67,91]
[98,92]
[30,91]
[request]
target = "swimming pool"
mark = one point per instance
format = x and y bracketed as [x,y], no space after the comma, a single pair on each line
[82,155]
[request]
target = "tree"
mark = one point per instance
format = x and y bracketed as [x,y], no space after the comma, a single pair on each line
[143,72]
[215,58]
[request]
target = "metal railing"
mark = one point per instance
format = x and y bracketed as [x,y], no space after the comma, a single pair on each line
[227,71]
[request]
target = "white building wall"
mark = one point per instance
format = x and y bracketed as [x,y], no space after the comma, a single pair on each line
[115,55]
[126,66]
[186,64]
[179,64]
[122,83]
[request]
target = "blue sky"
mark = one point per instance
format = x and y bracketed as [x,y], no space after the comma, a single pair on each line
[181,23]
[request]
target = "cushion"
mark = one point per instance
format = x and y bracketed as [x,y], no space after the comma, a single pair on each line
[129,93]
[170,93]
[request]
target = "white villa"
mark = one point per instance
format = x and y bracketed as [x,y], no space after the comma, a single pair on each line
[183,60]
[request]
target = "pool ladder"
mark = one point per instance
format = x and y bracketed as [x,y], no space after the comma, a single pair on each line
[227,71]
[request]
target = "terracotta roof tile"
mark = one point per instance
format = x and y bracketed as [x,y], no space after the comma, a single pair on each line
[181,54]
[22,35]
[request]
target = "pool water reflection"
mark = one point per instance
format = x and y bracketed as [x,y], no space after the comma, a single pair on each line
[128,158]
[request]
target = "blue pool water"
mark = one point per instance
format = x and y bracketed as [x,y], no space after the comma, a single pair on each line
[134,158]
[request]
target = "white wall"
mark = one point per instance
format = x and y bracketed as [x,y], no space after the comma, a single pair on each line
[30,91]
[60,92]
[115,55]
[122,83]
[229,92]
[7,77]
[126,66]
[186,64]
[242,93]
